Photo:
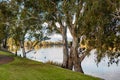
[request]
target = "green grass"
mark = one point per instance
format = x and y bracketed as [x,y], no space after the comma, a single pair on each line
[25,69]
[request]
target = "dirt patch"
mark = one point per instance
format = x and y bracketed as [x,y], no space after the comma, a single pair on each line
[5,59]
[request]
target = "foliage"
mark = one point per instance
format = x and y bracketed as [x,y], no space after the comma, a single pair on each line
[98,20]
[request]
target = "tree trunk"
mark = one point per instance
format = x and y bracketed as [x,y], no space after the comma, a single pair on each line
[76,59]
[15,52]
[70,60]
[81,70]
[5,43]
[23,49]
[65,47]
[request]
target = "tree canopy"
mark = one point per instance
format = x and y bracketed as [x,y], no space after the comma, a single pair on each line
[97,20]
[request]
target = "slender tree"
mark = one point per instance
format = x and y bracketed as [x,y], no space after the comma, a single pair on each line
[28,22]
[56,20]
[6,15]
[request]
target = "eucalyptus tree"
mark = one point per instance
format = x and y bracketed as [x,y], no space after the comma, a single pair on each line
[87,18]
[106,28]
[19,29]
[1,35]
[63,13]
[82,17]
[56,20]
[74,11]
[28,23]
[111,38]
[6,15]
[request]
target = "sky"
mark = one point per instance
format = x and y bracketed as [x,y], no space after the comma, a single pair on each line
[58,37]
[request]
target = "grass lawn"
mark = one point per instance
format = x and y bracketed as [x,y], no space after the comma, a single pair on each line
[25,69]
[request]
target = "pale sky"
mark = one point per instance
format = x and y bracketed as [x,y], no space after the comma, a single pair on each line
[58,37]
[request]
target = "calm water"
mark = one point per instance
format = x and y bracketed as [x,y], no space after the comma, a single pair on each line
[89,65]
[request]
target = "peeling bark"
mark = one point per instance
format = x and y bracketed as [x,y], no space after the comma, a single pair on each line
[65,48]
[70,59]
[76,61]
[23,49]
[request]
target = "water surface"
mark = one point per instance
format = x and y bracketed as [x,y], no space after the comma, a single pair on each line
[89,65]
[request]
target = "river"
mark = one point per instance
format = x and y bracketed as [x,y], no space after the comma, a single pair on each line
[89,65]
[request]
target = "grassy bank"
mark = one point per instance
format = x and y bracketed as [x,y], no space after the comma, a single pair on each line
[25,69]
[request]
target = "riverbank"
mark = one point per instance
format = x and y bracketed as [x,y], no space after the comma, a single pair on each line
[25,69]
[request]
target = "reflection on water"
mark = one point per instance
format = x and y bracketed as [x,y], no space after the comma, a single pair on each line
[89,65]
